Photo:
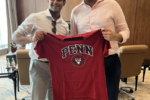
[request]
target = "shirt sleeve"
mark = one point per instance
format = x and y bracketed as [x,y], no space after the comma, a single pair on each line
[120,22]
[27,26]
[74,30]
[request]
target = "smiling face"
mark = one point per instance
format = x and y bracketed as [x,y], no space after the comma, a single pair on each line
[56,5]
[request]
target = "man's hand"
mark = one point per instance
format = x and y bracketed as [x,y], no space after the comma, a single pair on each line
[39,35]
[110,36]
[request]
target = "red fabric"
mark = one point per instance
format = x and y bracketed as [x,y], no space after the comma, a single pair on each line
[78,76]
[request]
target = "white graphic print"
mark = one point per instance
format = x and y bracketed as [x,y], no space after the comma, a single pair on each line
[78,60]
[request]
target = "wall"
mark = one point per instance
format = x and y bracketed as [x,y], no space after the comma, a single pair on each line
[142,25]
[26,7]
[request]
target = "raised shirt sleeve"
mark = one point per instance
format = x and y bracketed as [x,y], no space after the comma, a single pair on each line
[27,26]
[120,22]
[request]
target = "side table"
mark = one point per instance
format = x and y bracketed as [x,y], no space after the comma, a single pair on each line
[11,73]
[11,55]
[14,74]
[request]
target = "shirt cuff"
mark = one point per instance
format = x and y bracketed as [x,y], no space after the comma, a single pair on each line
[125,36]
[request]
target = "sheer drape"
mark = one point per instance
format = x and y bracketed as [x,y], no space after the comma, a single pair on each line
[11,18]
[3,26]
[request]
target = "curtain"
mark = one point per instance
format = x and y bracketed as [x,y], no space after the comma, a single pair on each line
[11,19]
[3,26]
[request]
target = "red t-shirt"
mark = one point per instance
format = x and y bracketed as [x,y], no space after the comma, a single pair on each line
[76,65]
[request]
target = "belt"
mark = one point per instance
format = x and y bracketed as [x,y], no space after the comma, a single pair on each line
[43,61]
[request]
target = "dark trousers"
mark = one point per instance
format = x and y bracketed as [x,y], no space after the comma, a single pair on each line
[113,72]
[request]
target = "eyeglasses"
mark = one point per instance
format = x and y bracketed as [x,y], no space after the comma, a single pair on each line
[54,27]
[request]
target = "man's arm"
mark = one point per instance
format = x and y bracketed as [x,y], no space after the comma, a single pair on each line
[110,36]
[120,24]
[26,28]
[21,39]
[20,36]
[119,37]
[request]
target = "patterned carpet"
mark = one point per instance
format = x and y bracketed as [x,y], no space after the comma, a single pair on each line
[142,93]
[7,88]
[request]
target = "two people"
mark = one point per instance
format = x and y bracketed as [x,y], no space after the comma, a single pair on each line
[89,15]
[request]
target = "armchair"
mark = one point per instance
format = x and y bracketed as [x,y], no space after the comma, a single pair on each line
[131,58]
[146,64]
[23,61]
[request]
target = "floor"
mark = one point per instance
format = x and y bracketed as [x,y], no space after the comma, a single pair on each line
[6,86]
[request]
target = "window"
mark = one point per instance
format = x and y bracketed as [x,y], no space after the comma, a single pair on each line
[3,26]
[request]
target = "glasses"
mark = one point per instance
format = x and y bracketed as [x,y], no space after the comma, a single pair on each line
[54,27]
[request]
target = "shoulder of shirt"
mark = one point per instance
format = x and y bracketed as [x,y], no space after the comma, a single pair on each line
[114,2]
[36,15]
[76,8]
[42,13]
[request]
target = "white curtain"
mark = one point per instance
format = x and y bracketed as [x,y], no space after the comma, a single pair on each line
[3,26]
[11,19]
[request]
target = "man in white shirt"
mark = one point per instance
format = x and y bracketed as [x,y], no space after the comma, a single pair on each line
[32,30]
[107,15]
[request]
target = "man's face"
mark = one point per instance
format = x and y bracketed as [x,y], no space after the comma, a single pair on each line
[56,5]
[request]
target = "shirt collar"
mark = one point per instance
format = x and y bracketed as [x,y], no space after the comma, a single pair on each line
[79,36]
[95,3]
[49,16]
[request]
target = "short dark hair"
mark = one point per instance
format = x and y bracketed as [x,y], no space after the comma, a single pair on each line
[64,0]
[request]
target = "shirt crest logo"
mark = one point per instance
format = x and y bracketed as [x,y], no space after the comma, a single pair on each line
[78,60]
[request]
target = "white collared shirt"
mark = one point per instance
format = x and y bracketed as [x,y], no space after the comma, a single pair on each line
[41,21]
[103,14]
